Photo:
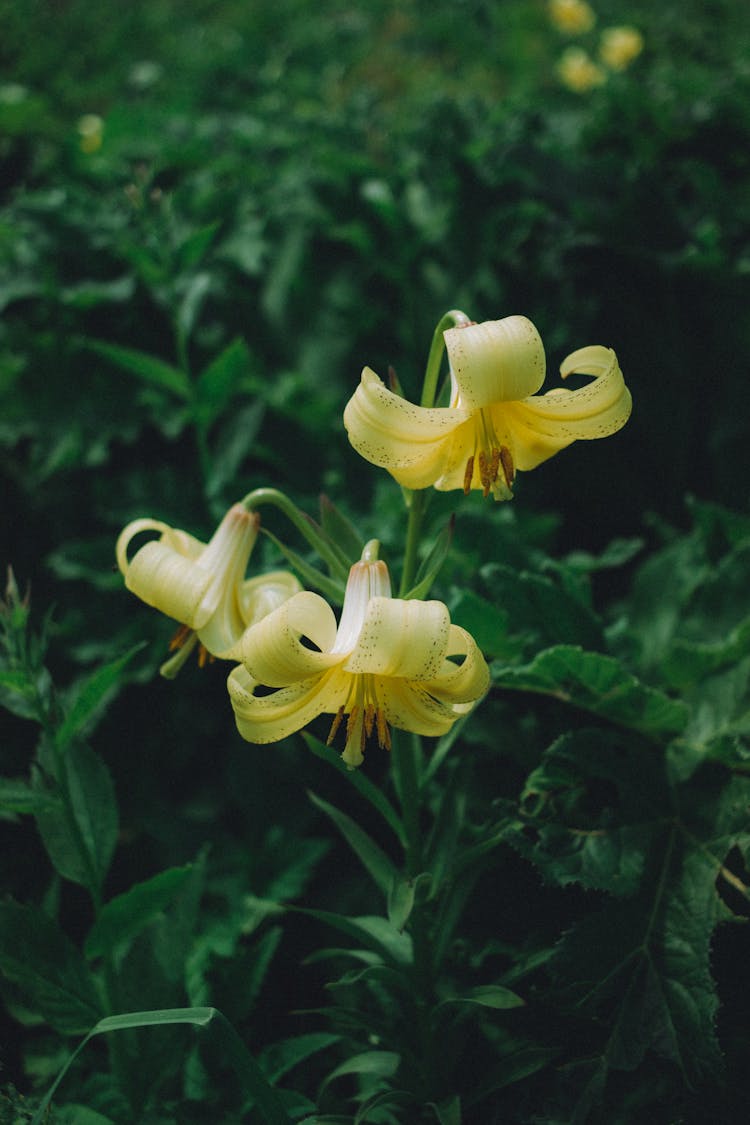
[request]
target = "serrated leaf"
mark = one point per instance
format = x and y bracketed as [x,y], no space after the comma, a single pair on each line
[89,696]
[48,969]
[371,855]
[79,834]
[599,684]
[150,369]
[123,917]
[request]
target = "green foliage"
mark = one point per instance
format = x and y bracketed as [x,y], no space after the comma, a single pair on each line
[533,918]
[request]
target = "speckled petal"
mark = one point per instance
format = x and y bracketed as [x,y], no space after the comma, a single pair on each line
[270,717]
[496,361]
[410,441]
[272,651]
[404,639]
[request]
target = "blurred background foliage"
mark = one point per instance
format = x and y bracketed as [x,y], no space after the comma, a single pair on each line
[213,213]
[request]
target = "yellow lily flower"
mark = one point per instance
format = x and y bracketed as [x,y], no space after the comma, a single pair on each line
[578,71]
[203,585]
[495,423]
[389,663]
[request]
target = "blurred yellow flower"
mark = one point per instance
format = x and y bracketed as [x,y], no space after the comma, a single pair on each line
[578,71]
[619,46]
[574,17]
[390,662]
[203,585]
[90,133]
[495,423]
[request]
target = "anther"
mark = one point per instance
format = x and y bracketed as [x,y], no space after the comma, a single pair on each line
[468,475]
[509,469]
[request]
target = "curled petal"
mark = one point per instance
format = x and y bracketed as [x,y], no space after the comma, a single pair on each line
[162,578]
[465,682]
[496,361]
[388,431]
[404,639]
[268,718]
[410,706]
[129,533]
[547,423]
[263,594]
[272,651]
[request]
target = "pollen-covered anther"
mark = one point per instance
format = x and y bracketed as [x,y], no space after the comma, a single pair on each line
[506,460]
[485,473]
[384,731]
[468,475]
[338,718]
[204,656]
[181,637]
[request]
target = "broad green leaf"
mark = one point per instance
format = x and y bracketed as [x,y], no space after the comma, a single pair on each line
[590,810]
[382,1064]
[488,996]
[146,367]
[125,916]
[642,964]
[542,610]
[371,855]
[596,683]
[89,696]
[48,969]
[231,1046]
[486,621]
[361,782]
[281,1057]
[79,832]
[218,382]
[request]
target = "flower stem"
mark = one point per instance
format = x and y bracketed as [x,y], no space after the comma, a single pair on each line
[307,527]
[418,500]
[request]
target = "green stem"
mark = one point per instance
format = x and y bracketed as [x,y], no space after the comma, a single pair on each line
[418,500]
[307,528]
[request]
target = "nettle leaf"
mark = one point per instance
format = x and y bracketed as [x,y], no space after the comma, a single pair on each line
[48,969]
[542,610]
[487,623]
[642,964]
[599,684]
[590,811]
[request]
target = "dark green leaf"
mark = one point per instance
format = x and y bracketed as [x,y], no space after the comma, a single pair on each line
[149,368]
[89,696]
[361,782]
[79,831]
[218,382]
[125,916]
[48,969]
[596,683]
[371,855]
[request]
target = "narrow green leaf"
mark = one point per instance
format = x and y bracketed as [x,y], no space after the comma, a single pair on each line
[48,969]
[123,917]
[431,564]
[146,367]
[194,247]
[282,1057]
[371,855]
[513,1067]
[249,1072]
[217,383]
[373,932]
[195,292]
[341,531]
[18,796]
[382,1064]
[361,782]
[89,695]
[310,575]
